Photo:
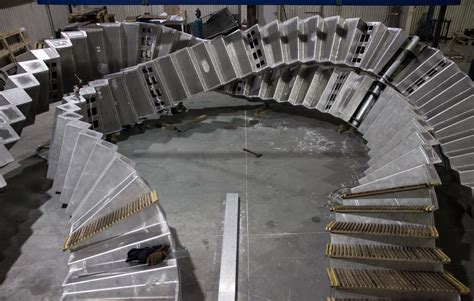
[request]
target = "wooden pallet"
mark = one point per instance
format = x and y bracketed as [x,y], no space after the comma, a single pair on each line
[12,44]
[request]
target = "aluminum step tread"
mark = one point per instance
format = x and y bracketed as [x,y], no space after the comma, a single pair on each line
[405,230]
[386,253]
[407,281]
[382,209]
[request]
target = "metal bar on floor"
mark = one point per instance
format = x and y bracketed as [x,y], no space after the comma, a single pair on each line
[228,273]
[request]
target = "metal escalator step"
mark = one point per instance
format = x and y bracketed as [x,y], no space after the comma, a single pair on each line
[390,280]
[93,227]
[382,191]
[405,230]
[382,209]
[386,253]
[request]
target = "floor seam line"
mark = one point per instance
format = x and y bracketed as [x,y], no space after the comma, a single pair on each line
[247,207]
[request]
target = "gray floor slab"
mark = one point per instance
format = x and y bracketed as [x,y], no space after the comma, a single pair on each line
[284,193]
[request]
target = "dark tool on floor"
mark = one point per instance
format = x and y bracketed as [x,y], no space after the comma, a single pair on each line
[151,255]
[258,155]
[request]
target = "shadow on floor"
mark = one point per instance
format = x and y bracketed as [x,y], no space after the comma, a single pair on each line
[455,224]
[190,288]
[253,110]
[20,202]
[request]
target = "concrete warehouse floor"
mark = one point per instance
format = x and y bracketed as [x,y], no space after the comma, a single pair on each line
[284,204]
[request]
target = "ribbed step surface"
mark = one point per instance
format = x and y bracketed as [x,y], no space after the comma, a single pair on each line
[108,220]
[405,230]
[388,253]
[382,191]
[382,209]
[407,281]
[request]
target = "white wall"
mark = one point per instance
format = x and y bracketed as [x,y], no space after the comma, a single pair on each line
[461,16]
[34,18]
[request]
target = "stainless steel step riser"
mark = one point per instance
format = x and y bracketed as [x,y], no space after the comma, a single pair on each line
[68,65]
[418,156]
[55,149]
[415,140]
[353,239]
[83,148]
[385,265]
[417,175]
[119,169]
[419,197]
[71,133]
[101,156]
[387,218]
[80,50]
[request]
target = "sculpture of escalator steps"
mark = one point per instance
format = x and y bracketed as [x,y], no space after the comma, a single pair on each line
[407,100]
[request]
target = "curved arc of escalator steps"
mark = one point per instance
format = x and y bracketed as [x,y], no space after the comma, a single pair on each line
[357,79]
